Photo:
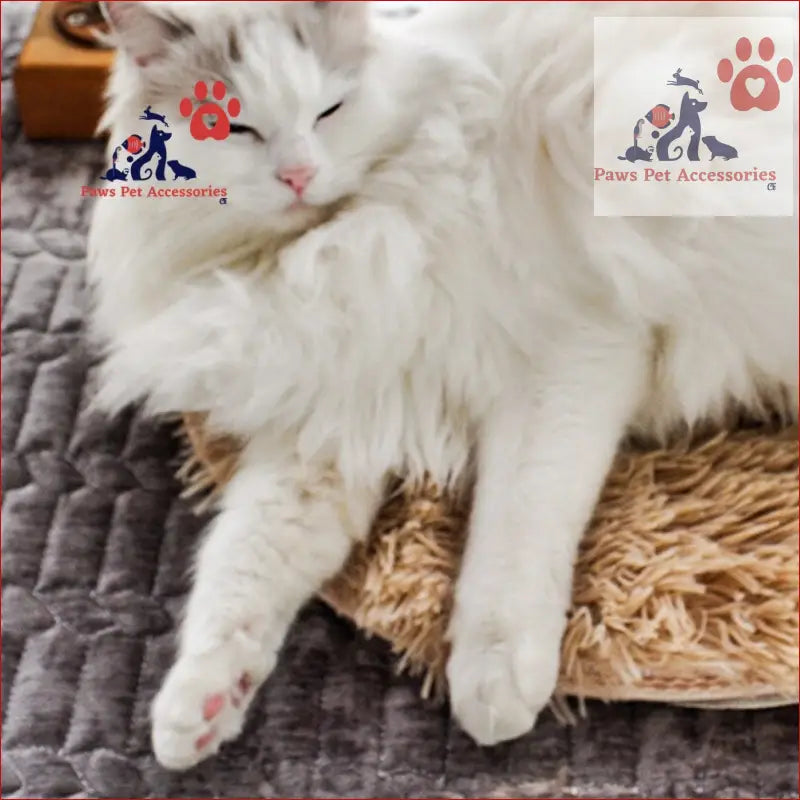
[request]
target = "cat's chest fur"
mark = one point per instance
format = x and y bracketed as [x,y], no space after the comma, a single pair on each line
[380,341]
[381,335]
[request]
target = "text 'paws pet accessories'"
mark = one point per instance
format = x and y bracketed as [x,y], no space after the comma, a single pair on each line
[686,587]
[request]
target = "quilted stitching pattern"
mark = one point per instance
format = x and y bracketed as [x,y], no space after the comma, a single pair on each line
[95,550]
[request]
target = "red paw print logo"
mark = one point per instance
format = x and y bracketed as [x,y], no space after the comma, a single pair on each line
[755,85]
[210,112]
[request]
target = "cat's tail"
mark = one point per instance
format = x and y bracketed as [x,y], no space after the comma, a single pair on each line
[678,154]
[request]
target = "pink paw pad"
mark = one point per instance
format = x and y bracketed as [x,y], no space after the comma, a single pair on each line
[212,706]
[205,740]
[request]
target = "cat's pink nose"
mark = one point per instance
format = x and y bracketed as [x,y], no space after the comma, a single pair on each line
[297,178]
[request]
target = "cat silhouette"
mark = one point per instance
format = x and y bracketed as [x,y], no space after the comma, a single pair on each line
[689,118]
[157,149]
[181,171]
[718,148]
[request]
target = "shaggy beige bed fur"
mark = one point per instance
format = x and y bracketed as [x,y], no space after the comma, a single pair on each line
[686,587]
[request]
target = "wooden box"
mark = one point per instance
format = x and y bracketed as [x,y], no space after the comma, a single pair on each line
[59,84]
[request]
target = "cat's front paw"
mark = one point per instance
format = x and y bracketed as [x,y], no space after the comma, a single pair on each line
[500,678]
[204,700]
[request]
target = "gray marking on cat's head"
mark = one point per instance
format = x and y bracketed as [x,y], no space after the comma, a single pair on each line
[144,31]
[234,52]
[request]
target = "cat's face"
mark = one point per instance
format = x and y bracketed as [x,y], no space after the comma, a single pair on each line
[312,120]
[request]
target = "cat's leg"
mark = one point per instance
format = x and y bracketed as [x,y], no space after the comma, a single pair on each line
[544,452]
[283,529]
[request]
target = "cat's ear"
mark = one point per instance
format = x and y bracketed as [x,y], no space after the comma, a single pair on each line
[338,29]
[345,13]
[143,31]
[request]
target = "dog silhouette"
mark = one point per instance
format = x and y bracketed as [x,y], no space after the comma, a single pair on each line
[181,171]
[157,149]
[689,118]
[680,80]
[151,115]
[718,148]
[115,175]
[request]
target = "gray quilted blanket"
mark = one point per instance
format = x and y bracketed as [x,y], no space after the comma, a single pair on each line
[96,545]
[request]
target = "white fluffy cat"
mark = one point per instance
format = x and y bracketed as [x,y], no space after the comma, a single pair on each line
[409,276]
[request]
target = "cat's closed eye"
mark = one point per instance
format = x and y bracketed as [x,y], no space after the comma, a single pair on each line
[236,128]
[331,111]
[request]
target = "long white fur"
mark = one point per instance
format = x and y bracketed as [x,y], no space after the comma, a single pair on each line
[447,303]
